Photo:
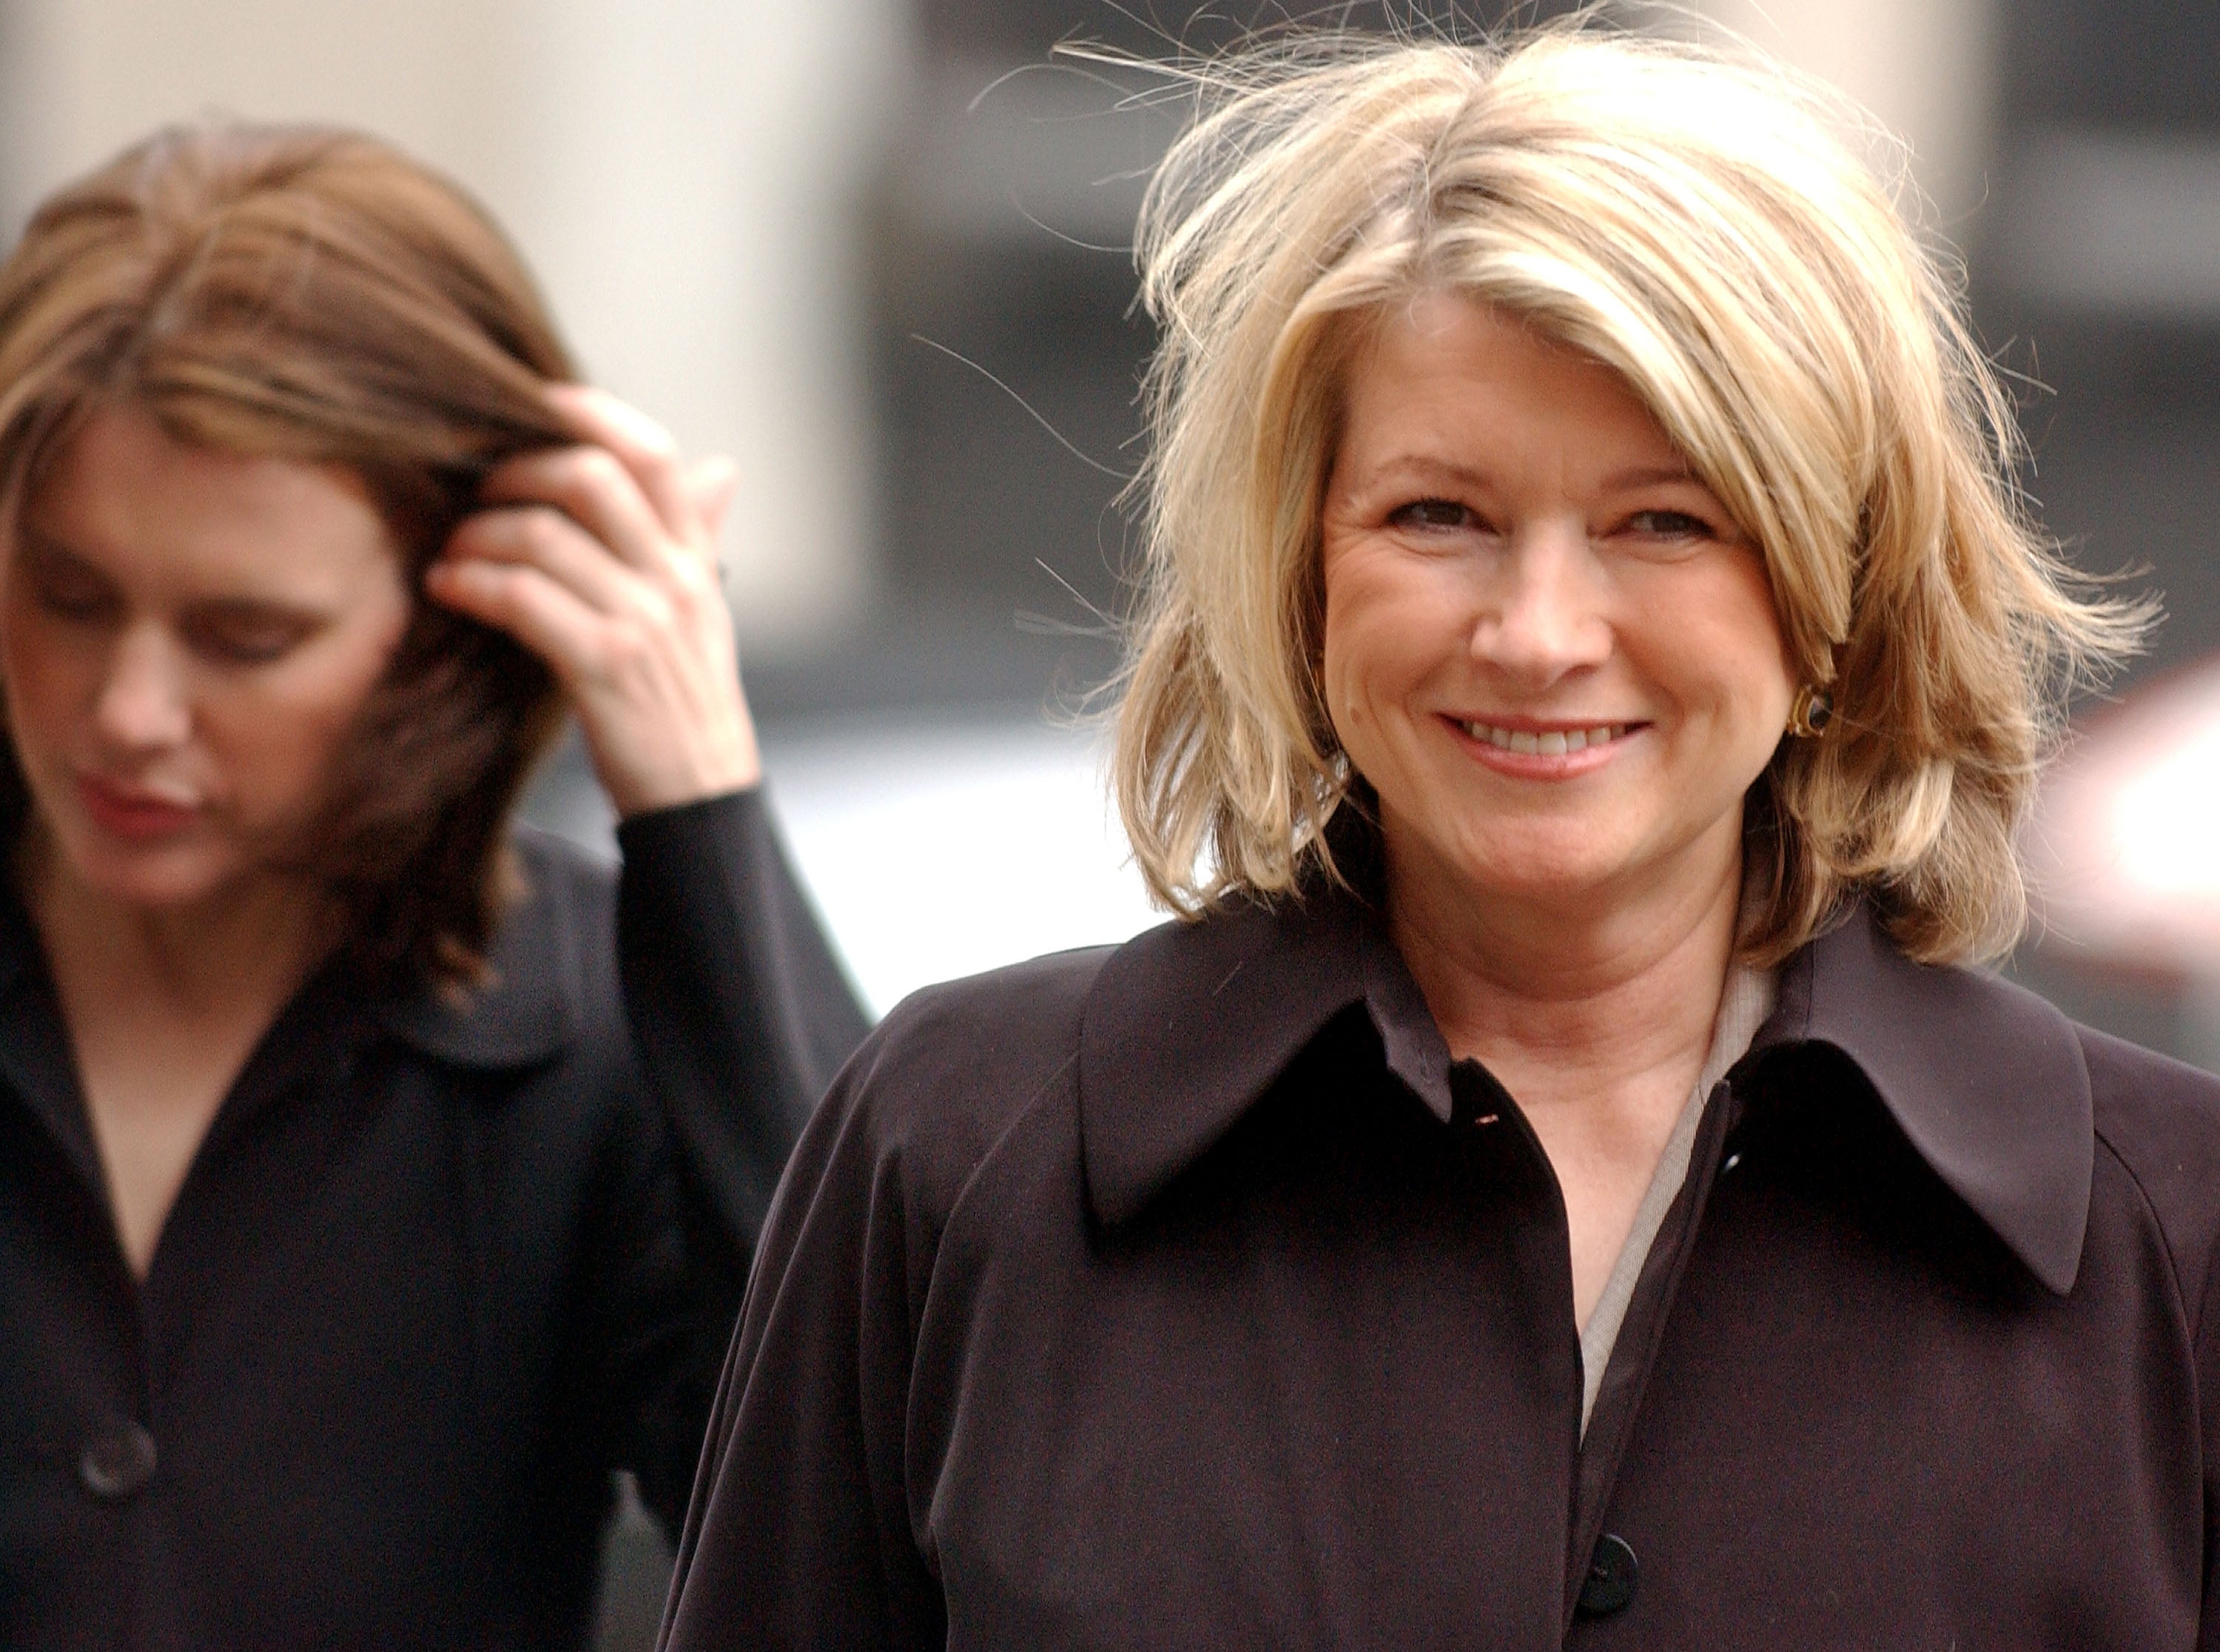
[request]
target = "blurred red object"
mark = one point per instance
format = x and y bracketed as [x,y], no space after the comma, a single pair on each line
[2125,849]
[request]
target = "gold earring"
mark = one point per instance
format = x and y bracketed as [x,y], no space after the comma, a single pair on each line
[1811,713]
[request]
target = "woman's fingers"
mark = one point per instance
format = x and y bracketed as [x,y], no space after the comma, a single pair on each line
[655,685]
[546,616]
[595,489]
[551,540]
[712,483]
[645,448]
[647,505]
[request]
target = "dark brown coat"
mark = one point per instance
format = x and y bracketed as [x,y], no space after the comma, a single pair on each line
[1189,1295]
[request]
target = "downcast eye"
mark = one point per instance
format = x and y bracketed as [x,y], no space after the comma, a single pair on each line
[246,633]
[65,586]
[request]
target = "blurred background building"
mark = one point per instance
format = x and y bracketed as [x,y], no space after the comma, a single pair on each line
[876,249]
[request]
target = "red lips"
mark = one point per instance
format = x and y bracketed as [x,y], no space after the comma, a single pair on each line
[127,812]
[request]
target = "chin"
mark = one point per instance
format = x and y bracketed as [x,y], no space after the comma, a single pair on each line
[150,875]
[1571,890]
[153,887]
[1552,865]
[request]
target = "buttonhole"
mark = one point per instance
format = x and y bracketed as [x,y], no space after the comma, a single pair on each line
[1486,1119]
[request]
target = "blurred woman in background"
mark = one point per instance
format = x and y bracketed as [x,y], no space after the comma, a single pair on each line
[1559,1186]
[345,1249]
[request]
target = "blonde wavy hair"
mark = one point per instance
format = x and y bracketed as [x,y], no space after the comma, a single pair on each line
[1690,218]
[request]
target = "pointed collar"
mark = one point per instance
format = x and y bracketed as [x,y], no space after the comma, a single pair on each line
[1188,1025]
[1987,1081]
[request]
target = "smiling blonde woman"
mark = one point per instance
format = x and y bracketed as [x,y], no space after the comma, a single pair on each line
[1561,1182]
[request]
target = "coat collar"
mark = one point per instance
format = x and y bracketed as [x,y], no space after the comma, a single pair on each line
[1987,1081]
[526,1012]
[1186,1026]
[528,1009]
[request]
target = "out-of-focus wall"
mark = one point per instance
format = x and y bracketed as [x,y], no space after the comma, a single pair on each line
[1926,69]
[682,173]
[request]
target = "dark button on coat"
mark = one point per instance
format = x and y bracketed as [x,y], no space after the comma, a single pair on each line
[436,1271]
[1185,1295]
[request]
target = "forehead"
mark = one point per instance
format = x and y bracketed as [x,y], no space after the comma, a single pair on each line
[1445,368]
[147,510]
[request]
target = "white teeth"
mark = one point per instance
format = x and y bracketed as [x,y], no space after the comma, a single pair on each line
[1555,744]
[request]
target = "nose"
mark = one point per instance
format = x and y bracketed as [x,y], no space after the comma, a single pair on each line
[1543,617]
[143,704]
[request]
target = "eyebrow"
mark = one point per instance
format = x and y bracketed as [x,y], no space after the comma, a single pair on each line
[43,553]
[1648,476]
[1425,466]
[1639,476]
[257,610]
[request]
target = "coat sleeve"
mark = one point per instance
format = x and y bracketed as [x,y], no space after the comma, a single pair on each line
[2208,1383]
[742,1015]
[801,1531]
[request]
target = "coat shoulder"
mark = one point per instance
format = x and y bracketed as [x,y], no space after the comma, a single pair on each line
[563,883]
[954,1067]
[566,926]
[2160,1119]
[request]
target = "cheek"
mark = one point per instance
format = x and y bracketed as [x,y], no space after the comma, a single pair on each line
[1347,665]
[46,675]
[1386,628]
[1724,641]
[1342,706]
[277,739]
[1767,678]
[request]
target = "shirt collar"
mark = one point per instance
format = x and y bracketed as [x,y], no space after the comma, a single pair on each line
[1188,1025]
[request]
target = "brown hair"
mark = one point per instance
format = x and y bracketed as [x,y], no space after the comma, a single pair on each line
[311,294]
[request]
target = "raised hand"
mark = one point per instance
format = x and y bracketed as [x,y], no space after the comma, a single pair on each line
[602,558]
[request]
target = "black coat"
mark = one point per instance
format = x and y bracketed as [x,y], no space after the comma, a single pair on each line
[435,1272]
[1190,1295]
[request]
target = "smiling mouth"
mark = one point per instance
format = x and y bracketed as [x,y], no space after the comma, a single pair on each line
[1553,742]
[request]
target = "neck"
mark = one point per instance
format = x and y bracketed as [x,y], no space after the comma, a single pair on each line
[1573,1003]
[242,948]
